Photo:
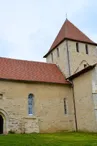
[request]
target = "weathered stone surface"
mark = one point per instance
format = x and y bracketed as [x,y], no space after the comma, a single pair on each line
[48,107]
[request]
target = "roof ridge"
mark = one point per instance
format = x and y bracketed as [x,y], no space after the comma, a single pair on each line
[8,58]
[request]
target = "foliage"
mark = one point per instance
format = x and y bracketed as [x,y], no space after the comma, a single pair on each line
[11,132]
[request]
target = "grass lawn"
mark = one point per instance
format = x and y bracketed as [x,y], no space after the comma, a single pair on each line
[56,139]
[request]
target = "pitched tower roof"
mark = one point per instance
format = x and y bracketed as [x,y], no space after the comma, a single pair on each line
[70,32]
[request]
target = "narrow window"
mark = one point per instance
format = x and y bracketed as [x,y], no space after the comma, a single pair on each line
[65,106]
[77,47]
[87,49]
[52,56]
[57,52]
[30,104]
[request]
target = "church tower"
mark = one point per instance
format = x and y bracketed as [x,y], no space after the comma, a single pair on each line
[72,50]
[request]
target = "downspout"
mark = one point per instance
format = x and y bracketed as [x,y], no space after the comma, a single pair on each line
[68,59]
[76,126]
[69,73]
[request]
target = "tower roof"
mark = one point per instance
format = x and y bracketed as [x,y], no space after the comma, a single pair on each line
[71,32]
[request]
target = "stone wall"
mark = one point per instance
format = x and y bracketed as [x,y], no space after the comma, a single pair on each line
[86,119]
[61,61]
[75,58]
[48,107]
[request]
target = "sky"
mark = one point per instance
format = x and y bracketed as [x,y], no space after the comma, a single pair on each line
[29,27]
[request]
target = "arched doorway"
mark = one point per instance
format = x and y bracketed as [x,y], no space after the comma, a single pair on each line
[1,124]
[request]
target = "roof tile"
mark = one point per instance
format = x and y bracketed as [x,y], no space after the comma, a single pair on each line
[69,31]
[30,71]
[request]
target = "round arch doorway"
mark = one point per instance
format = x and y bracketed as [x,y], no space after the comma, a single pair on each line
[1,124]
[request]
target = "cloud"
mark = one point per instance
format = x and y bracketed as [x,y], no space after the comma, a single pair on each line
[5,47]
[28,27]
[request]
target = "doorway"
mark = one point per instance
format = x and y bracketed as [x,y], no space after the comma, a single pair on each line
[1,124]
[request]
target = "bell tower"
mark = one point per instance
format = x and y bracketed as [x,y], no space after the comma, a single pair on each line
[71,50]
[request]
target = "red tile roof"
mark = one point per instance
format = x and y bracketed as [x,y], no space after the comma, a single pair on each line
[71,32]
[23,70]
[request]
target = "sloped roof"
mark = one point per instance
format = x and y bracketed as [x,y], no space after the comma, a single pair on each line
[23,70]
[86,69]
[71,32]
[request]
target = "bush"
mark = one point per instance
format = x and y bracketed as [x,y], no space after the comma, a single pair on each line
[11,132]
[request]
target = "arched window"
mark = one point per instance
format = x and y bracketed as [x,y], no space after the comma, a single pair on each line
[30,104]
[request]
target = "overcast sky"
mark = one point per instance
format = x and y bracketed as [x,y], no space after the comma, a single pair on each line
[28,27]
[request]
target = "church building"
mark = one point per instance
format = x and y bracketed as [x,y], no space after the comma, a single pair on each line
[58,95]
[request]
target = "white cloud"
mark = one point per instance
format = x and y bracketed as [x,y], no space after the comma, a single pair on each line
[30,26]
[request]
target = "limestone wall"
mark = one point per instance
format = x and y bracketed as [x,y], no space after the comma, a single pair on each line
[76,59]
[62,60]
[48,107]
[86,118]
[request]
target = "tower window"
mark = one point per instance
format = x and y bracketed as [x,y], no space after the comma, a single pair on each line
[77,47]
[65,106]
[52,56]
[57,52]
[87,52]
[30,104]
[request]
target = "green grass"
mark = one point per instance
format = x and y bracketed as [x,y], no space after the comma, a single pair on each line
[56,139]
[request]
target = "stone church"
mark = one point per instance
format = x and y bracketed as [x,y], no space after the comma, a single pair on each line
[55,96]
